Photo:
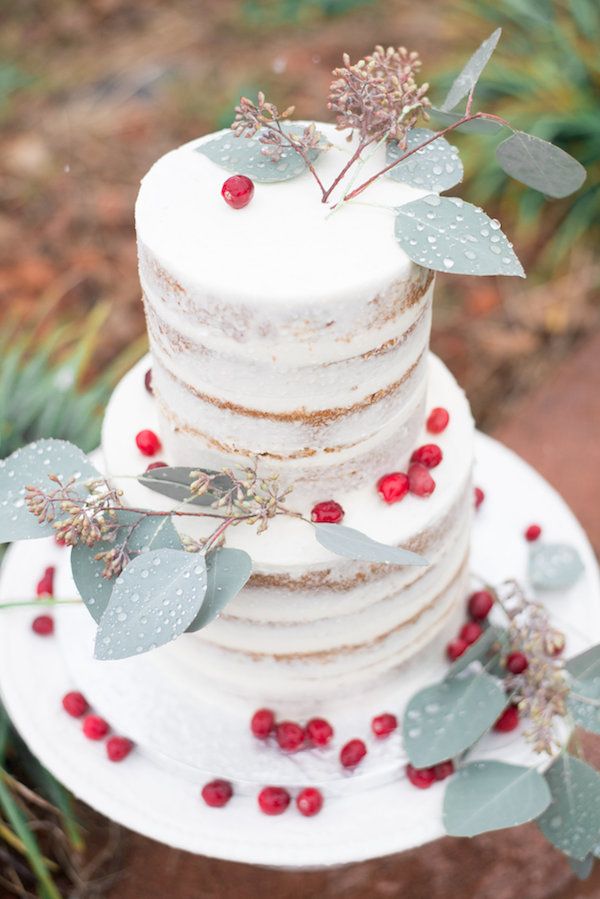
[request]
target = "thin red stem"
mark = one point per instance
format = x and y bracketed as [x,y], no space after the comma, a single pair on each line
[355,156]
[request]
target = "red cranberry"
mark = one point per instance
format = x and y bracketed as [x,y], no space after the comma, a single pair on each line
[470,632]
[45,586]
[319,731]
[43,625]
[217,793]
[329,512]
[438,420]
[118,748]
[309,801]
[154,465]
[353,753]
[148,442]
[290,736]
[383,725]
[420,481]
[429,455]
[393,487]
[517,663]
[273,800]
[237,191]
[479,496]
[262,723]
[148,381]
[455,648]
[420,777]
[508,720]
[75,704]
[95,727]
[443,770]
[533,532]
[480,604]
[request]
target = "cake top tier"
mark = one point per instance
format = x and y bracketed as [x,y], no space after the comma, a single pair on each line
[259,252]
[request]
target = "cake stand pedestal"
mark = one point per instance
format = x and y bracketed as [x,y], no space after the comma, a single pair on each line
[186,735]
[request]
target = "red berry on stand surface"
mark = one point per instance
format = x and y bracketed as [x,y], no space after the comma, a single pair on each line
[443,770]
[429,455]
[479,496]
[148,442]
[470,632]
[533,532]
[237,191]
[353,753]
[95,727]
[273,800]
[516,663]
[309,801]
[437,420]
[155,465]
[455,648]
[45,586]
[75,704]
[420,777]
[148,381]
[328,512]
[480,604]
[508,720]
[290,736]
[319,731]
[420,482]
[262,723]
[43,625]
[118,748]
[217,793]
[393,487]
[383,725]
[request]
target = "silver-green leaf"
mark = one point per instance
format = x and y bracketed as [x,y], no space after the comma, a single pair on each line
[436,166]
[477,651]
[475,126]
[30,466]
[227,572]
[353,544]
[582,868]
[244,156]
[540,164]
[586,665]
[146,533]
[154,601]
[572,821]
[469,75]
[175,483]
[583,703]
[443,720]
[490,795]
[449,235]
[554,566]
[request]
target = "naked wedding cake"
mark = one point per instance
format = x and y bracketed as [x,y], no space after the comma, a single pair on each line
[286,333]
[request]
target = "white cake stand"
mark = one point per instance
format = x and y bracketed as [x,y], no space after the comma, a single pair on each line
[188,734]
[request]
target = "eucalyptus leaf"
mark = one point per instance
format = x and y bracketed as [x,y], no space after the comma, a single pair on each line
[449,235]
[30,466]
[436,166]
[583,703]
[540,164]
[244,156]
[572,821]
[227,572]
[146,533]
[469,75]
[175,483]
[554,566]
[490,795]
[586,665]
[475,126]
[477,651]
[155,599]
[445,719]
[353,544]
[582,868]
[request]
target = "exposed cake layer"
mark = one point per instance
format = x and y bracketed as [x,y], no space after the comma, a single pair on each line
[282,331]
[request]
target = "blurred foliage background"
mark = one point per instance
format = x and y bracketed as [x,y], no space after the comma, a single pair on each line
[93,91]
